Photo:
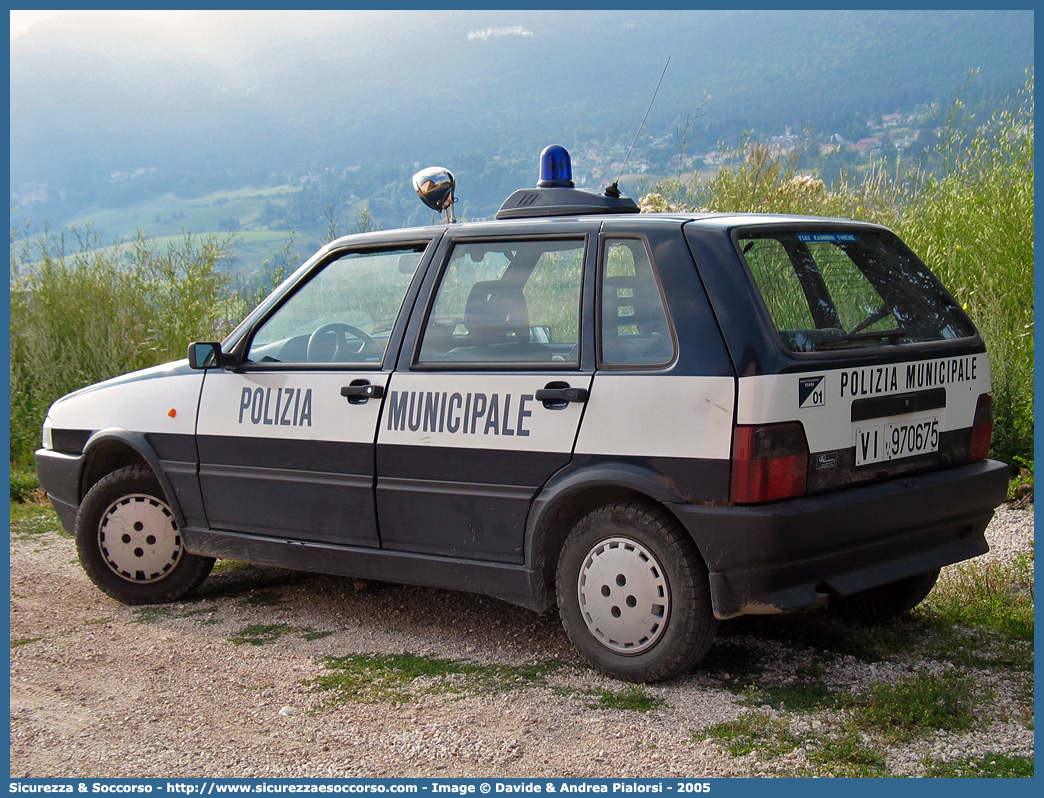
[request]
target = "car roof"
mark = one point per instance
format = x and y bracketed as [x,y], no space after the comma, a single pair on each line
[712,220]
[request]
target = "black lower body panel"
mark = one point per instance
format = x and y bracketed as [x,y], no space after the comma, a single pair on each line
[784,555]
[59,476]
[516,584]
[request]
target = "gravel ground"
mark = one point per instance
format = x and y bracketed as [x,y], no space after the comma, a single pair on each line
[100,690]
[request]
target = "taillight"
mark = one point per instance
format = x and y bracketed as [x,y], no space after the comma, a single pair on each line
[982,429]
[768,463]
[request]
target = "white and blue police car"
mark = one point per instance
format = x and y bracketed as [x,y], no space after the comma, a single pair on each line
[654,421]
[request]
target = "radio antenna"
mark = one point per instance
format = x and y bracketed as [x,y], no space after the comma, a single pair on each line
[614,189]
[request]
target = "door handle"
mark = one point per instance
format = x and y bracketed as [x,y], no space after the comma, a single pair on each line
[559,394]
[360,391]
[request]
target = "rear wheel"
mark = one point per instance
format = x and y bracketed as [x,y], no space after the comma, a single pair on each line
[633,593]
[882,604]
[129,542]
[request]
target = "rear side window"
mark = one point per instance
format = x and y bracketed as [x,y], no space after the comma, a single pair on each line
[634,326]
[842,290]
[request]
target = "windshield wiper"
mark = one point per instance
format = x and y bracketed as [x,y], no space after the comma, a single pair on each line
[892,336]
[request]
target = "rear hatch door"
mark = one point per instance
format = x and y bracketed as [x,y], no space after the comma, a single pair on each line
[842,328]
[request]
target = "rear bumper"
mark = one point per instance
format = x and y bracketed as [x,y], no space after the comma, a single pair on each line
[785,555]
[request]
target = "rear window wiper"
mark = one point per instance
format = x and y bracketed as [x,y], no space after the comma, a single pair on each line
[892,336]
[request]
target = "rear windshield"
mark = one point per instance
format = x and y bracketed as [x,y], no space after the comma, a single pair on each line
[845,290]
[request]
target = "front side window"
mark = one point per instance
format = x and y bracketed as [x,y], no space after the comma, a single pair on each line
[635,330]
[344,314]
[844,290]
[507,302]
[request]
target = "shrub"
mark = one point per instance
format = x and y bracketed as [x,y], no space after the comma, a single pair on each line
[25,487]
[82,316]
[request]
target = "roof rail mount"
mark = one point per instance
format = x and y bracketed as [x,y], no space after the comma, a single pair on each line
[529,203]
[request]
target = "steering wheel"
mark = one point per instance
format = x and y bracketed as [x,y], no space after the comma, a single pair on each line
[319,343]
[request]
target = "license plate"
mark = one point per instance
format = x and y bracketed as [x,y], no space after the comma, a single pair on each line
[895,440]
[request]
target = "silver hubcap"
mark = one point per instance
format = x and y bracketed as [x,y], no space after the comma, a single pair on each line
[139,538]
[624,596]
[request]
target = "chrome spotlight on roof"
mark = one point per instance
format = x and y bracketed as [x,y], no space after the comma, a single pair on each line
[434,186]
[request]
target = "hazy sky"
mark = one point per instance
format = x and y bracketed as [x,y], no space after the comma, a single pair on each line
[217,90]
[21,20]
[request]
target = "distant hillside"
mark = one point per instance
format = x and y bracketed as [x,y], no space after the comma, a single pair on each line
[125,106]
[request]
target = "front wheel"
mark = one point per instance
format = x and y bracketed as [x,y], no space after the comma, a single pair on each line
[633,594]
[129,542]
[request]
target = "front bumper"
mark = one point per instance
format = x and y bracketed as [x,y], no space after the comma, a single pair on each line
[784,555]
[59,475]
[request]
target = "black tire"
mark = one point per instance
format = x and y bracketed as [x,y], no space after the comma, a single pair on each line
[633,593]
[881,604]
[129,542]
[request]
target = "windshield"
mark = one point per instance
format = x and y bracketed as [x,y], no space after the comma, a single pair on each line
[848,289]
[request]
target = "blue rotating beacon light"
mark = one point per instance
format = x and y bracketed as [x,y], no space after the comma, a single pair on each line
[556,169]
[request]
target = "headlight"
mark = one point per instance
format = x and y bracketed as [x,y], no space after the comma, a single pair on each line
[48,443]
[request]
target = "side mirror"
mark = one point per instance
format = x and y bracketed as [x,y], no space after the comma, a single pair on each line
[204,355]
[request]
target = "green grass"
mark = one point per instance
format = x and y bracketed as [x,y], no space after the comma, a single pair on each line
[396,678]
[828,752]
[753,731]
[852,732]
[977,648]
[17,642]
[258,634]
[33,520]
[848,756]
[994,766]
[633,698]
[917,705]
[992,595]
